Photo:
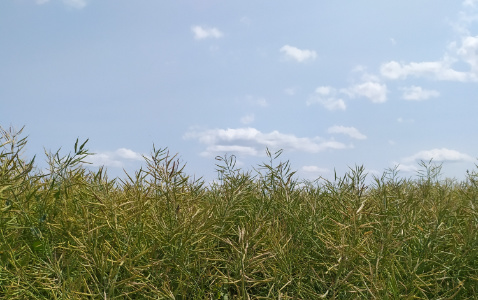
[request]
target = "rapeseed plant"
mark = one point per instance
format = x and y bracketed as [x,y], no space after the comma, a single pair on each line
[73,233]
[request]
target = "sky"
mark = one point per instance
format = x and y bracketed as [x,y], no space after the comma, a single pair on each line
[334,84]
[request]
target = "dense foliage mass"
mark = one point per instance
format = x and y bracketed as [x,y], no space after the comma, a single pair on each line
[71,233]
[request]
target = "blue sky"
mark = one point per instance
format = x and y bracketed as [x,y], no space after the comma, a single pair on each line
[332,83]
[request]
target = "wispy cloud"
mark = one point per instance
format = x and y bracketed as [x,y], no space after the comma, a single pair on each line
[470,3]
[298,54]
[402,120]
[314,169]
[250,141]
[327,97]
[464,51]
[417,93]
[201,33]
[439,155]
[256,101]
[247,119]
[116,158]
[408,168]
[290,91]
[350,131]
[77,4]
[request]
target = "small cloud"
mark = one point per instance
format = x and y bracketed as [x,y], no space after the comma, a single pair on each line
[326,96]
[406,168]
[298,54]
[314,169]
[393,41]
[439,155]
[417,93]
[247,119]
[77,4]
[128,154]
[372,90]
[402,120]
[221,149]
[201,33]
[116,158]
[350,131]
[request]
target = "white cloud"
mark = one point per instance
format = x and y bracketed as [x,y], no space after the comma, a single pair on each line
[78,4]
[350,131]
[128,154]
[374,91]
[222,149]
[314,169]
[439,70]
[250,141]
[471,3]
[298,54]
[326,96]
[443,69]
[104,159]
[247,119]
[439,155]
[418,93]
[325,90]
[114,158]
[469,52]
[406,168]
[466,17]
[206,32]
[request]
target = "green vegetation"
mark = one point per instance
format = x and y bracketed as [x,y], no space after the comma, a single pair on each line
[71,233]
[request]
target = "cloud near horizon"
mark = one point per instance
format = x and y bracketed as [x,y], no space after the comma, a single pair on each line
[439,155]
[314,169]
[252,142]
[116,158]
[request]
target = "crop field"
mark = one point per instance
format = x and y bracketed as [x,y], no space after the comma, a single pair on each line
[73,233]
